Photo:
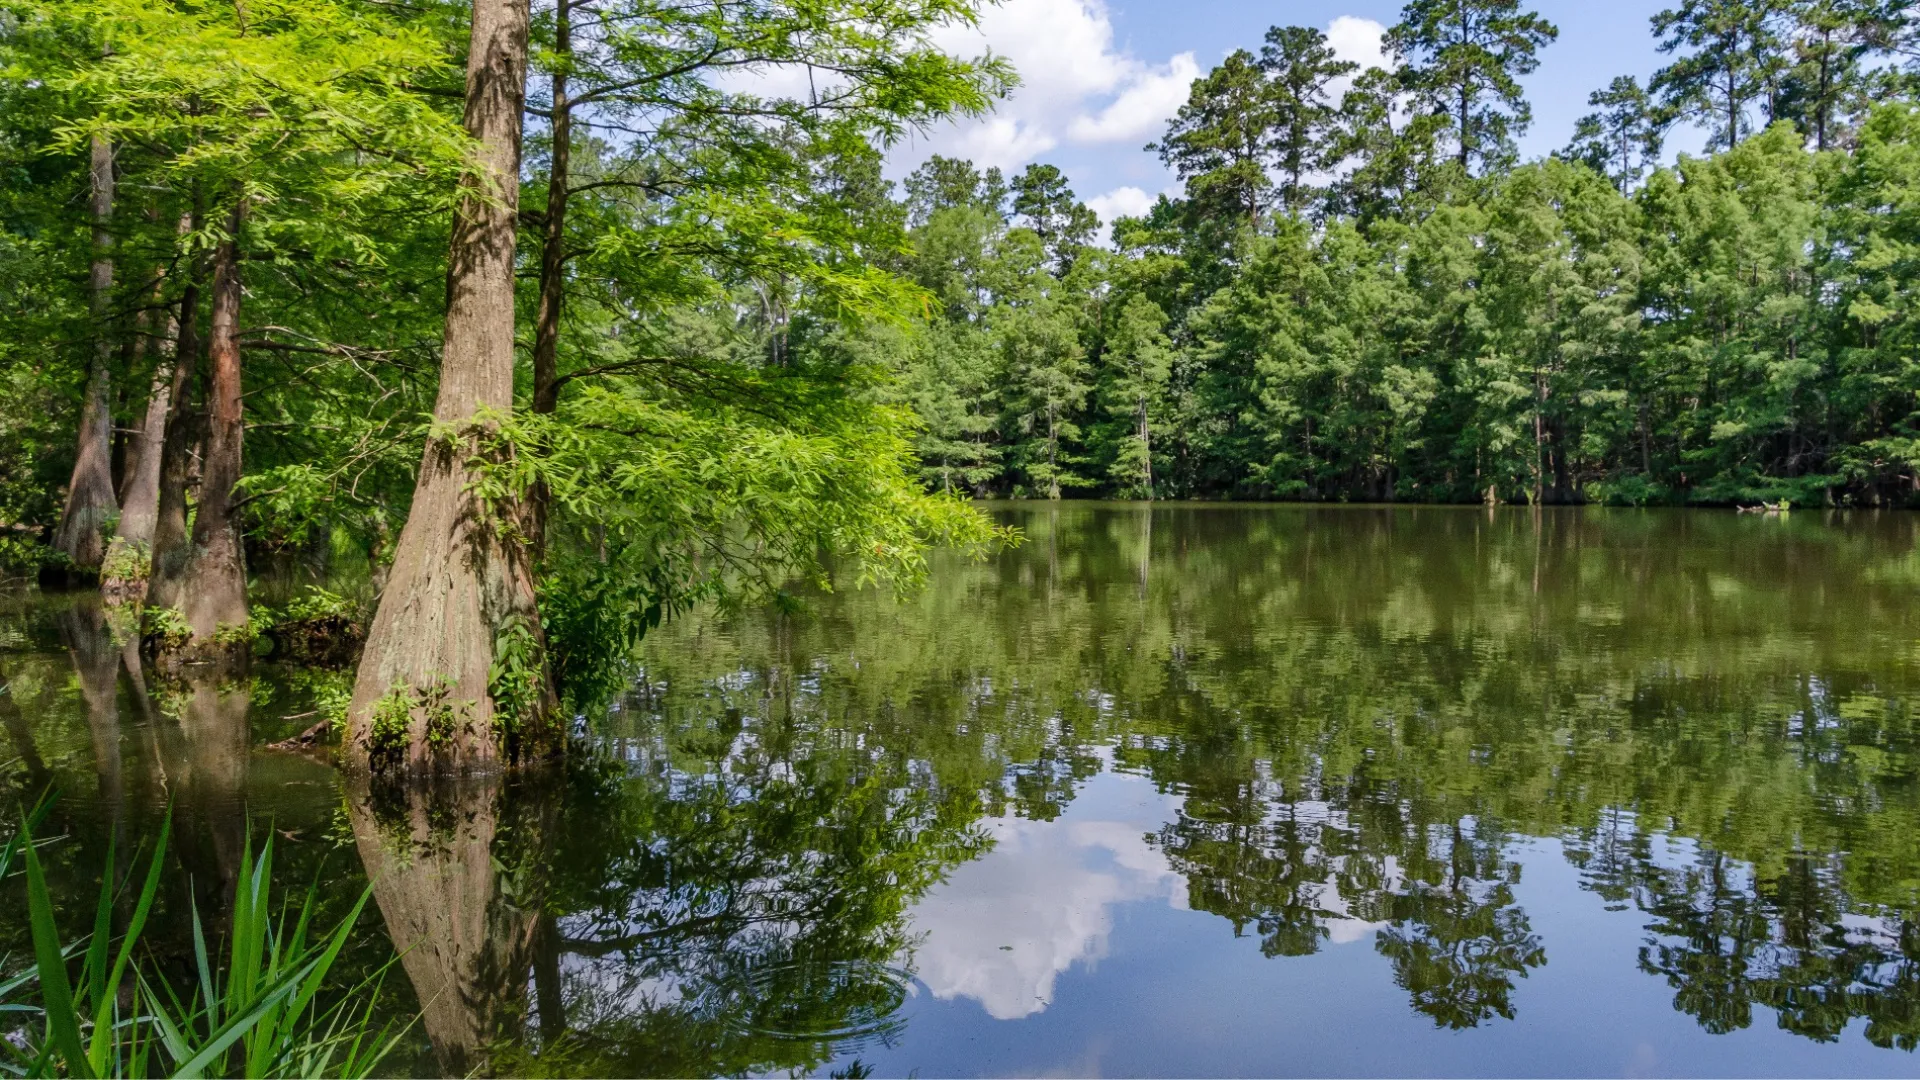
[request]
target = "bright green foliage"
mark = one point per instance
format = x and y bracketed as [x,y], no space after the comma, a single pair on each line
[682,497]
[1301,69]
[1138,360]
[165,627]
[259,1012]
[390,723]
[1219,142]
[514,680]
[1047,384]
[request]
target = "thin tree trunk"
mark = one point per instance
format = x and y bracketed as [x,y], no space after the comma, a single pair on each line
[141,500]
[169,560]
[1146,448]
[457,581]
[553,261]
[1466,102]
[214,585]
[90,503]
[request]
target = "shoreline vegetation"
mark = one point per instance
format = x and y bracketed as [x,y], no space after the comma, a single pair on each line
[545,324]
[441,352]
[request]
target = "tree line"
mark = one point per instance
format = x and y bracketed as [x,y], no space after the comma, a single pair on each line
[1360,293]
[561,321]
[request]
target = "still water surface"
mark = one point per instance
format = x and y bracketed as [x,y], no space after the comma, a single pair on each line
[1195,791]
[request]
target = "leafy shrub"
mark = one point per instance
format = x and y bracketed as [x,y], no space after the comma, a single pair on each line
[165,628]
[319,627]
[127,562]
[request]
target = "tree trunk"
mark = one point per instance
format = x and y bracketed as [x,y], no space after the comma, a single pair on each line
[1466,147]
[90,503]
[465,943]
[553,262]
[457,580]
[213,591]
[1733,114]
[1146,449]
[169,559]
[141,500]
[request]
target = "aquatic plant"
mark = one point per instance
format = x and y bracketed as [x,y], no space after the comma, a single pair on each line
[261,1015]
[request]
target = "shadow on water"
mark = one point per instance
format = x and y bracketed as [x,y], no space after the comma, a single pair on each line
[1365,743]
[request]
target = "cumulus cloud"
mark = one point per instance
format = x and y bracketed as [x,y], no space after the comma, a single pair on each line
[1143,107]
[1126,201]
[1359,40]
[1076,85]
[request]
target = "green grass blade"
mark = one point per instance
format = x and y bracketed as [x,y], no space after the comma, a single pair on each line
[63,1024]
[107,992]
[209,991]
[171,1036]
[237,1026]
[94,970]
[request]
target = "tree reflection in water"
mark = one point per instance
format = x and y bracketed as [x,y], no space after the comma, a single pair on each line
[1356,720]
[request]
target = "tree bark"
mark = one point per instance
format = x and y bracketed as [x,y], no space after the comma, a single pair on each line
[458,578]
[169,560]
[553,261]
[141,500]
[213,591]
[90,502]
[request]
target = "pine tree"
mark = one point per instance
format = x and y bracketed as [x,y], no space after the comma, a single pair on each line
[1220,143]
[1465,61]
[1726,69]
[1622,141]
[1301,70]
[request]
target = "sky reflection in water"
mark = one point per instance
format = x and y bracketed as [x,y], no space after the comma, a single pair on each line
[1210,790]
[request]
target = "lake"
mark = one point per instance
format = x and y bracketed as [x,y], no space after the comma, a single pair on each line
[1188,790]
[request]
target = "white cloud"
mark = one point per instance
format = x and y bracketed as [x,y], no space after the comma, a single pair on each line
[1002,142]
[1075,85]
[1359,40]
[1127,201]
[1143,108]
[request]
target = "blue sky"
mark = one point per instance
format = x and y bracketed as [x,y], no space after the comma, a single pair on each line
[1102,76]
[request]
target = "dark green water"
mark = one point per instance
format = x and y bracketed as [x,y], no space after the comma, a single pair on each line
[1206,790]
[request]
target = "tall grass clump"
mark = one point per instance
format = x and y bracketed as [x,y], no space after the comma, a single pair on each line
[256,1011]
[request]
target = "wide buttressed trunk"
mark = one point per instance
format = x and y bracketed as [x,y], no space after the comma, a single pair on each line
[91,506]
[213,587]
[460,596]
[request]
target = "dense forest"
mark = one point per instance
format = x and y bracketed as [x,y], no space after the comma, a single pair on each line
[560,319]
[1362,295]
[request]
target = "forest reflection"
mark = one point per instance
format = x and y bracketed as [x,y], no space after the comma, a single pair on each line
[1351,723]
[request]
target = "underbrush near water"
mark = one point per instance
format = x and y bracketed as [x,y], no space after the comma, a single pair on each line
[267,1011]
